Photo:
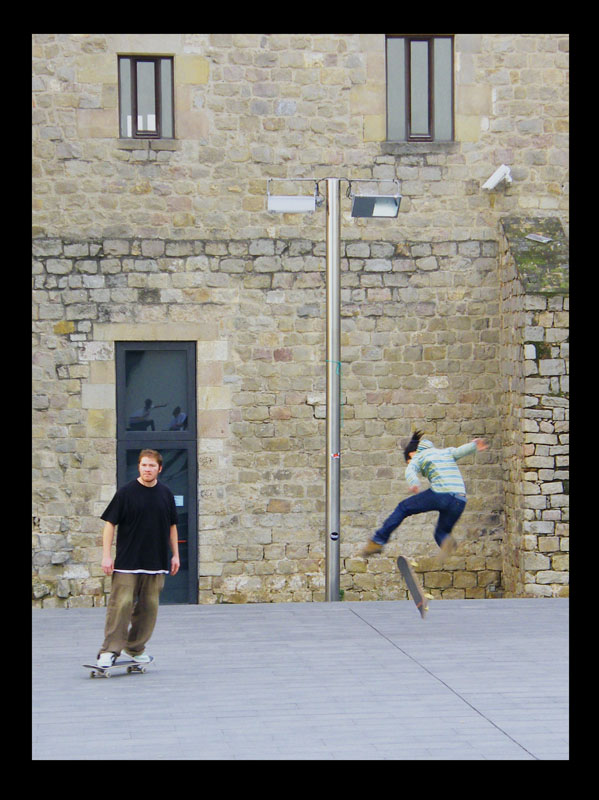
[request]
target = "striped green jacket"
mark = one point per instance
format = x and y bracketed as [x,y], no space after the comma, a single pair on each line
[438,466]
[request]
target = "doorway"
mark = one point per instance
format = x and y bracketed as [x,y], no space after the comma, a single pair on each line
[156,409]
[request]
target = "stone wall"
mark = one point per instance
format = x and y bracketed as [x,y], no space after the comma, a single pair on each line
[253,106]
[535,367]
[420,337]
[171,240]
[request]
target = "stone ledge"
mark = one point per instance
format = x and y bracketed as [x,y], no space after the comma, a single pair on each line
[155,331]
[418,148]
[148,144]
[543,268]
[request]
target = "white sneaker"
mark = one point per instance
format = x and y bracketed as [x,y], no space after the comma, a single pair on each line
[141,658]
[106,659]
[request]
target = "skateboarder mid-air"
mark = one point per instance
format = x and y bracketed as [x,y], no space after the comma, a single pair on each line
[447,493]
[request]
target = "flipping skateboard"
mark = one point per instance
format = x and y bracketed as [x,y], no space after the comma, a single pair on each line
[418,596]
[105,672]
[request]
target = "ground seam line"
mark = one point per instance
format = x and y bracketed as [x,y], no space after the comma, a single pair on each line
[447,686]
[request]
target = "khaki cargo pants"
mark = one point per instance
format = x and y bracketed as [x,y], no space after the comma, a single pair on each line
[131,612]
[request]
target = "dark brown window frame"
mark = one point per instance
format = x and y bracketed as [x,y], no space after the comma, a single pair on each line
[428,137]
[134,59]
[429,39]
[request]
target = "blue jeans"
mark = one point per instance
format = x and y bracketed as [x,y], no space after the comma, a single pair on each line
[450,507]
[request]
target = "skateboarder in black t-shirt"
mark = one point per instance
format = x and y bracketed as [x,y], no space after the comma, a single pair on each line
[144,511]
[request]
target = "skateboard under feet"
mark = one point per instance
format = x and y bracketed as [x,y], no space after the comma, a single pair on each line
[105,672]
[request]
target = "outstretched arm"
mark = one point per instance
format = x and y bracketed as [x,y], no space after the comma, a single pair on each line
[467,449]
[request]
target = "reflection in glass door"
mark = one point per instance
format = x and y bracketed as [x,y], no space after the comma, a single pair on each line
[157,389]
[156,409]
[175,475]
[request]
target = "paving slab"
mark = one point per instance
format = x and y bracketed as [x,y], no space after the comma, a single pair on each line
[474,680]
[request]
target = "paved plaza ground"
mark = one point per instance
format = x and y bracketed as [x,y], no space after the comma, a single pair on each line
[476,679]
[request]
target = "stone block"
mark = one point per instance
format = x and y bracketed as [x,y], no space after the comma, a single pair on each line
[101,422]
[100,396]
[213,424]
[535,561]
[464,580]
[212,351]
[535,590]
[375,128]
[437,580]
[552,576]
[97,69]
[367,100]
[473,100]
[212,398]
[97,123]
[552,366]
[64,326]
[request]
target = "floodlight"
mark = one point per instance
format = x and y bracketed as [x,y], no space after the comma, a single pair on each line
[292,204]
[363,205]
[375,205]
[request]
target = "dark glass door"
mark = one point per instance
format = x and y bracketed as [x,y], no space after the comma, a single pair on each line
[156,409]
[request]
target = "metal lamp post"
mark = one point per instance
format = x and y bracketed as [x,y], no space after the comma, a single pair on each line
[362,206]
[333,445]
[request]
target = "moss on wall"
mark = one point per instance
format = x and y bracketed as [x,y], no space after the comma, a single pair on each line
[543,267]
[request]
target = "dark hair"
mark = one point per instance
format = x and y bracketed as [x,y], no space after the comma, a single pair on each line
[412,445]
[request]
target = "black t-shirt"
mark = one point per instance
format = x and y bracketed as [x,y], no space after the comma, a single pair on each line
[144,515]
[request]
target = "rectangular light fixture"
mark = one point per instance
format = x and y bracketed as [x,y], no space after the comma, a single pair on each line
[375,205]
[291,204]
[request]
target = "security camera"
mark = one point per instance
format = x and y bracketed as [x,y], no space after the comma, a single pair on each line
[501,174]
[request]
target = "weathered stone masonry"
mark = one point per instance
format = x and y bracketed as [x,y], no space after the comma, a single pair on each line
[452,320]
[429,332]
[535,368]
[420,328]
